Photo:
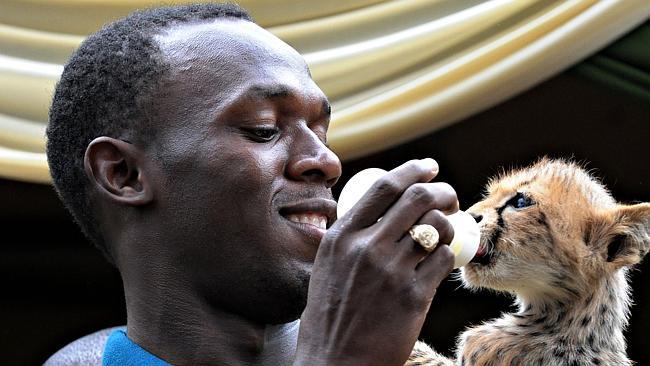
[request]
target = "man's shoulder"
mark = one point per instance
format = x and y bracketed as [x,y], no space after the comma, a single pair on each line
[87,350]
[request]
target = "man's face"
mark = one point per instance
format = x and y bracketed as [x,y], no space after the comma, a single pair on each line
[244,173]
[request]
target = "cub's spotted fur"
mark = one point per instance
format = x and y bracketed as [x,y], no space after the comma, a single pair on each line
[555,238]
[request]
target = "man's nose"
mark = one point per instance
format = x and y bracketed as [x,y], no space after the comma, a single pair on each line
[312,161]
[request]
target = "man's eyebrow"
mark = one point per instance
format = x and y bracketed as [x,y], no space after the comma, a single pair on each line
[281,91]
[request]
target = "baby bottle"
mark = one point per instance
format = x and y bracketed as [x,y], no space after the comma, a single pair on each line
[467,235]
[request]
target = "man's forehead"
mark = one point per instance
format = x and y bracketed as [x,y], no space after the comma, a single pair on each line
[226,40]
[216,65]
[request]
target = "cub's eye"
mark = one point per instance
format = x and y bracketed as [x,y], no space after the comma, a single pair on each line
[262,134]
[520,200]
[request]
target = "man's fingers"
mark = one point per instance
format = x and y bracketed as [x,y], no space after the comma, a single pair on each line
[412,252]
[415,204]
[387,190]
[435,267]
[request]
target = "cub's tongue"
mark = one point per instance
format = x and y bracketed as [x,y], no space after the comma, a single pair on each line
[480,252]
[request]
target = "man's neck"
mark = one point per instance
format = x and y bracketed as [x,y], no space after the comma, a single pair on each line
[191,332]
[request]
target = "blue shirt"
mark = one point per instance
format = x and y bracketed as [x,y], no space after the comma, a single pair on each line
[121,351]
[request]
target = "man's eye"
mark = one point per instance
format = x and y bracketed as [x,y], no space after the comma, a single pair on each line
[520,200]
[262,134]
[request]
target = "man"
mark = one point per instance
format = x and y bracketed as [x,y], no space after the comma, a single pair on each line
[190,146]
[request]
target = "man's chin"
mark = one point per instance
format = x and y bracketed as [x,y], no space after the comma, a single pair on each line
[287,314]
[277,311]
[269,299]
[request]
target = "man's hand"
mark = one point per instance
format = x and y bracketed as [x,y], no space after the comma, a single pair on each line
[371,284]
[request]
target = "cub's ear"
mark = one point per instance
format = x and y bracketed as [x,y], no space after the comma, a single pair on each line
[622,235]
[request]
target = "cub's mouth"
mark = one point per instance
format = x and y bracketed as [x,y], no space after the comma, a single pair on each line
[484,256]
[486,253]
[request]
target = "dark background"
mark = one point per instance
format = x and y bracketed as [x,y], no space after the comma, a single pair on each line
[55,287]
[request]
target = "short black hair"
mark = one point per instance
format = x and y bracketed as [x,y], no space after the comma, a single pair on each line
[104,91]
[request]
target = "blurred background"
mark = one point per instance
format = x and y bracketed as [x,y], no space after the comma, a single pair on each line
[480,86]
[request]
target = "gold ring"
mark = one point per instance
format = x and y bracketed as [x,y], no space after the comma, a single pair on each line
[425,235]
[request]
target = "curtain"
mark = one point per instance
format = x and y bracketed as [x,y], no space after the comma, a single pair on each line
[623,66]
[393,70]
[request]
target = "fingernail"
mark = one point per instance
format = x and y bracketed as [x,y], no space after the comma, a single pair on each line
[432,165]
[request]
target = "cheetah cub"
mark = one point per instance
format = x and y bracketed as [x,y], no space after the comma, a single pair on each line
[555,238]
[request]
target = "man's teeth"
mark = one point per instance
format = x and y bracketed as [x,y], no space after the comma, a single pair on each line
[318,220]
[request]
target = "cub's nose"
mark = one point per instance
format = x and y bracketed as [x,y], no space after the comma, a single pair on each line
[477,218]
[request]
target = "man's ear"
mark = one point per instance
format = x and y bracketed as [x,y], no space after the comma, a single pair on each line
[115,168]
[622,235]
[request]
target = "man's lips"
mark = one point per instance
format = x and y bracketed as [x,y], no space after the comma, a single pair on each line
[317,212]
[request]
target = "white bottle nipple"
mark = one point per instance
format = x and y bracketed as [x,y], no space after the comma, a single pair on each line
[467,234]
[467,237]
